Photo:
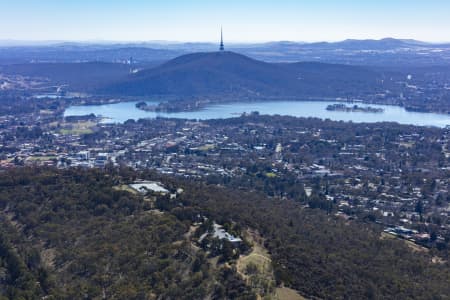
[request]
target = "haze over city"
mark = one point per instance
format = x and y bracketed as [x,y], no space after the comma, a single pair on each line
[243,21]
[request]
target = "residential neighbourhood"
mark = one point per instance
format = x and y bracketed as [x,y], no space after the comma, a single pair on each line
[394,175]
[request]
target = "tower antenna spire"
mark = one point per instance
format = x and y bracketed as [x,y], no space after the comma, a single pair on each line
[222,48]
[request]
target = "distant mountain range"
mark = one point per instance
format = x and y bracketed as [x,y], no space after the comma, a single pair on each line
[361,52]
[186,46]
[231,74]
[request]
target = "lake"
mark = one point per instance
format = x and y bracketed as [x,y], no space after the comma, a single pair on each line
[120,112]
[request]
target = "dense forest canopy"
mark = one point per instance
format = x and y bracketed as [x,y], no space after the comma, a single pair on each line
[73,234]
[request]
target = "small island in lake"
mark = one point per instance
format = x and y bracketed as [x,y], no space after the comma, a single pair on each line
[144,106]
[182,105]
[354,108]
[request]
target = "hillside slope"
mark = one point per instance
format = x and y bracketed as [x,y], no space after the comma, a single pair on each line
[232,74]
[78,76]
[81,234]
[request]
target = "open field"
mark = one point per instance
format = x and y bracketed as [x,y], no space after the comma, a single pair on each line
[285,293]
[77,128]
[256,269]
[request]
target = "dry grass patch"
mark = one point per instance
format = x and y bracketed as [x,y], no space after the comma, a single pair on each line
[285,293]
[77,128]
[256,267]
[126,188]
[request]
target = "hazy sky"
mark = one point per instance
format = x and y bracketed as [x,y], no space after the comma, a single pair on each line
[242,20]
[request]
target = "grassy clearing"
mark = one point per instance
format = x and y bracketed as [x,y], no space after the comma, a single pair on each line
[256,267]
[416,248]
[259,258]
[77,128]
[258,254]
[126,188]
[412,245]
[285,293]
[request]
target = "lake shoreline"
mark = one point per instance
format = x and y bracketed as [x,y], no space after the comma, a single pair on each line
[122,111]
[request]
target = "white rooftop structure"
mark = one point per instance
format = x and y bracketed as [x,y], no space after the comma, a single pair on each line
[145,186]
[221,234]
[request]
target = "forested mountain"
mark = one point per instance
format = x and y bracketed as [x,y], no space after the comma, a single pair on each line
[79,234]
[206,74]
[71,235]
[232,74]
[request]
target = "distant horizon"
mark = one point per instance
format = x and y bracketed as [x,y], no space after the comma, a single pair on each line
[31,42]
